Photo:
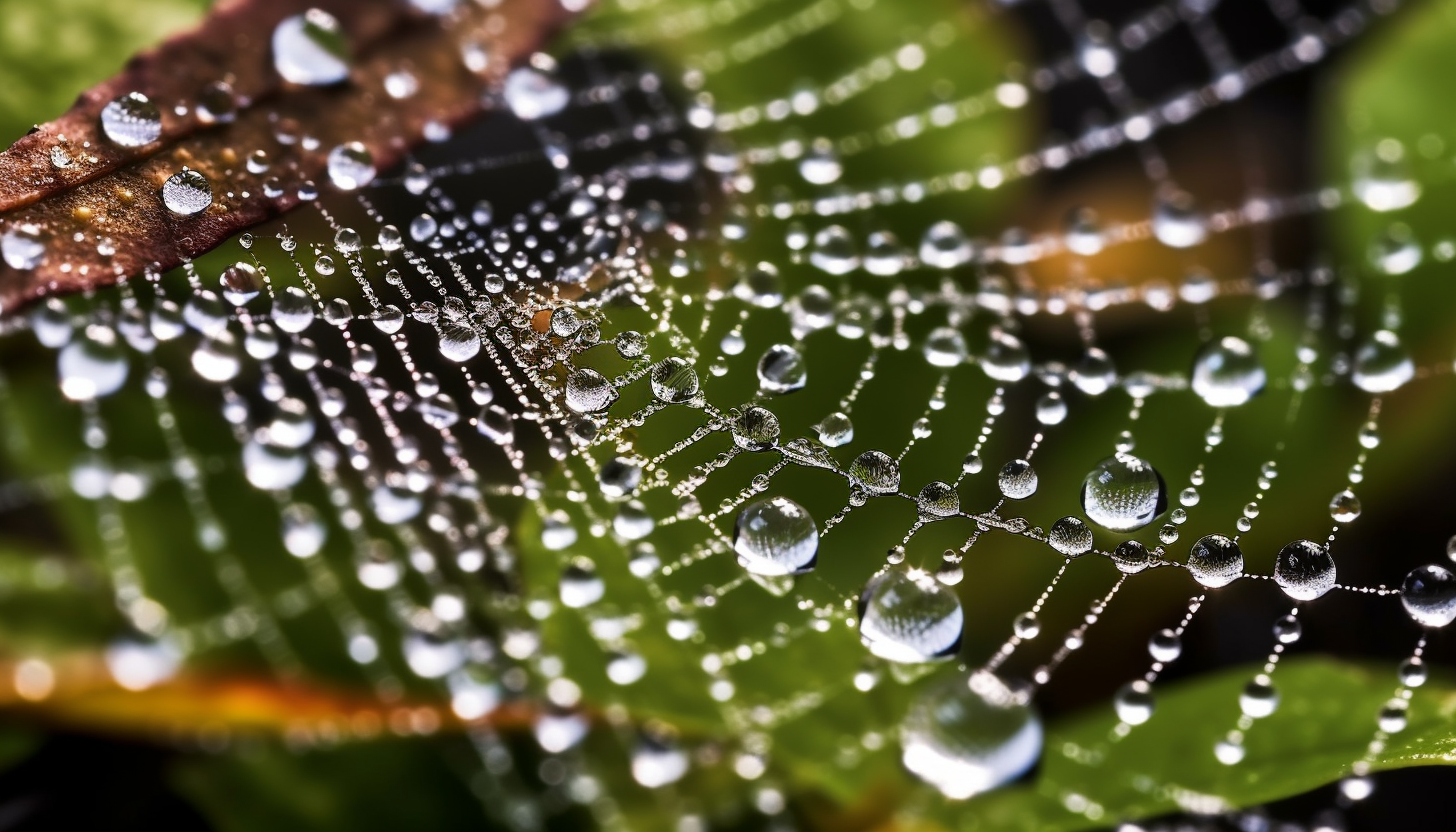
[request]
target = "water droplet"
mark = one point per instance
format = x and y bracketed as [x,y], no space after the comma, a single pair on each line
[458,342]
[1259,698]
[674,380]
[1071,537]
[92,366]
[775,537]
[835,430]
[938,499]
[1344,506]
[876,472]
[1134,702]
[1095,373]
[1131,557]
[532,94]
[1395,251]
[187,192]
[271,467]
[1304,570]
[1123,493]
[131,120]
[821,165]
[1287,629]
[782,369]
[834,251]
[945,347]
[1227,372]
[22,247]
[1165,646]
[1017,479]
[755,428]
[588,391]
[1051,408]
[311,49]
[945,246]
[761,286]
[908,616]
[657,763]
[970,734]
[351,166]
[1215,561]
[1176,221]
[580,584]
[1429,595]
[1382,364]
[304,532]
[1006,358]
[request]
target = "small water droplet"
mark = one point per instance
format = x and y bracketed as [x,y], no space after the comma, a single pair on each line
[131,120]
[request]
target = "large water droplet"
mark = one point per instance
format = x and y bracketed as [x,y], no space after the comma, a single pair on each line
[909,616]
[1071,537]
[304,531]
[532,94]
[836,429]
[588,391]
[93,365]
[775,537]
[876,472]
[1382,364]
[1304,570]
[351,166]
[1017,479]
[187,192]
[945,347]
[131,120]
[1227,372]
[1006,358]
[834,251]
[1176,221]
[311,49]
[1429,595]
[22,247]
[970,734]
[1215,561]
[1123,493]
[782,369]
[674,380]
[755,428]
[1134,702]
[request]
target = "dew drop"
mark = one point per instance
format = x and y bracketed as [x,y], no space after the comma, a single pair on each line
[131,120]
[755,428]
[835,430]
[1304,570]
[22,247]
[1131,557]
[351,166]
[876,472]
[1134,702]
[1070,537]
[1227,372]
[588,391]
[1382,364]
[1429,595]
[674,380]
[92,366]
[532,94]
[775,537]
[782,369]
[1344,506]
[311,49]
[1123,493]
[970,734]
[1215,561]
[908,616]
[1017,479]
[187,192]
[945,347]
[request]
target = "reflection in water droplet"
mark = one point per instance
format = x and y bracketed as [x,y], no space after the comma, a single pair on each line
[775,537]
[876,472]
[970,734]
[131,120]
[1215,561]
[351,166]
[1382,364]
[1429,595]
[187,192]
[1123,493]
[782,369]
[908,616]
[311,49]
[532,94]
[1227,372]
[1304,570]
[1017,479]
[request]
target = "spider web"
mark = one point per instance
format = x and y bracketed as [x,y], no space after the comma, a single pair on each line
[493,484]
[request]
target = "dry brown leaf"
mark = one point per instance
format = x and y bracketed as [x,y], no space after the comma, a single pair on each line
[102,218]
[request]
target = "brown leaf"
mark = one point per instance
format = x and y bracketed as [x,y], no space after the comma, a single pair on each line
[101,217]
